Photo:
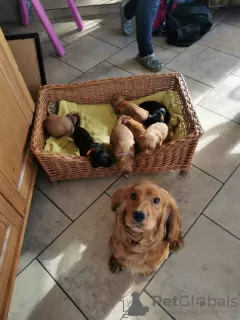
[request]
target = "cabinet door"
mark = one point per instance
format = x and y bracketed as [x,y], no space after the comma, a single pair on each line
[10,239]
[16,109]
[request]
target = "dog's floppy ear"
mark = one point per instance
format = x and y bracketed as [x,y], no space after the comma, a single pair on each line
[173,226]
[119,197]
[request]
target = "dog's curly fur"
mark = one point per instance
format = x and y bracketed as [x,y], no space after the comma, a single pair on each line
[141,247]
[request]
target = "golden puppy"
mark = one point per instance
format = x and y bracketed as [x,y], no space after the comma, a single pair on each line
[129,108]
[153,138]
[58,126]
[147,225]
[122,142]
[134,126]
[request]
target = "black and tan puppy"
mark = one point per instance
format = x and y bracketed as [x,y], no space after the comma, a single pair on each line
[83,140]
[157,112]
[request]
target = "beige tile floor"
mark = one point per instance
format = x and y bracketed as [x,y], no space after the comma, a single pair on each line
[63,271]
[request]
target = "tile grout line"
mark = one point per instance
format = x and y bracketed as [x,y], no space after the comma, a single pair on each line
[229,54]
[108,195]
[207,85]
[177,53]
[221,21]
[229,232]
[214,86]
[168,313]
[95,200]
[111,43]
[63,290]
[81,213]
[230,120]
[229,24]
[53,55]
[202,212]
[84,72]
[132,74]
[207,173]
[97,66]
[45,195]
[222,79]
[151,278]
[44,249]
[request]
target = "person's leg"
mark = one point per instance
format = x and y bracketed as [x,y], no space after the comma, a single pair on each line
[128,11]
[145,15]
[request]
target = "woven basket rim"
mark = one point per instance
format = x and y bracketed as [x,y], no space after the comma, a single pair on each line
[97,82]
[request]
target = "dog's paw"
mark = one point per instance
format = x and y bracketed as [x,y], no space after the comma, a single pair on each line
[147,273]
[114,266]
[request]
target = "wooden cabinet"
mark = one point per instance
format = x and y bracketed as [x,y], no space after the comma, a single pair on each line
[11,225]
[17,169]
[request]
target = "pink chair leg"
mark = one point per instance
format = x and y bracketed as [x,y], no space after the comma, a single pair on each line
[75,13]
[24,12]
[49,28]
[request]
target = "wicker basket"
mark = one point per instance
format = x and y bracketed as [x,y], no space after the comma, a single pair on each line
[175,155]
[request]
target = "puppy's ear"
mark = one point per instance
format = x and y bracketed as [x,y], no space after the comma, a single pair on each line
[173,226]
[119,197]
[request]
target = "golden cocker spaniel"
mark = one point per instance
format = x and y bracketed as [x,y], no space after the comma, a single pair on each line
[147,225]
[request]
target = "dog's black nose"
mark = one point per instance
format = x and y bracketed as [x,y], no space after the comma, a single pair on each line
[139,216]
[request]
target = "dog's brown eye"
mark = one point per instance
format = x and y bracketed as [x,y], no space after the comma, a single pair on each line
[156,200]
[133,196]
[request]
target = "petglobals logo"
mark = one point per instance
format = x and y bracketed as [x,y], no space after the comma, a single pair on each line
[189,301]
[133,304]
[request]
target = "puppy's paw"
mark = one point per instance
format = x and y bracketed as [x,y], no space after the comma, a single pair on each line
[147,273]
[114,266]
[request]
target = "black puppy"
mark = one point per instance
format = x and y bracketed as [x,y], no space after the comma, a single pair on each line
[157,112]
[87,147]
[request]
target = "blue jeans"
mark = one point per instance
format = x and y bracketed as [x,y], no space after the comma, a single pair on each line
[145,12]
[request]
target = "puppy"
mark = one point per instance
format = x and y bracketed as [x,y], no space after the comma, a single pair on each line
[83,140]
[147,225]
[134,126]
[153,138]
[58,126]
[129,108]
[122,142]
[157,112]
